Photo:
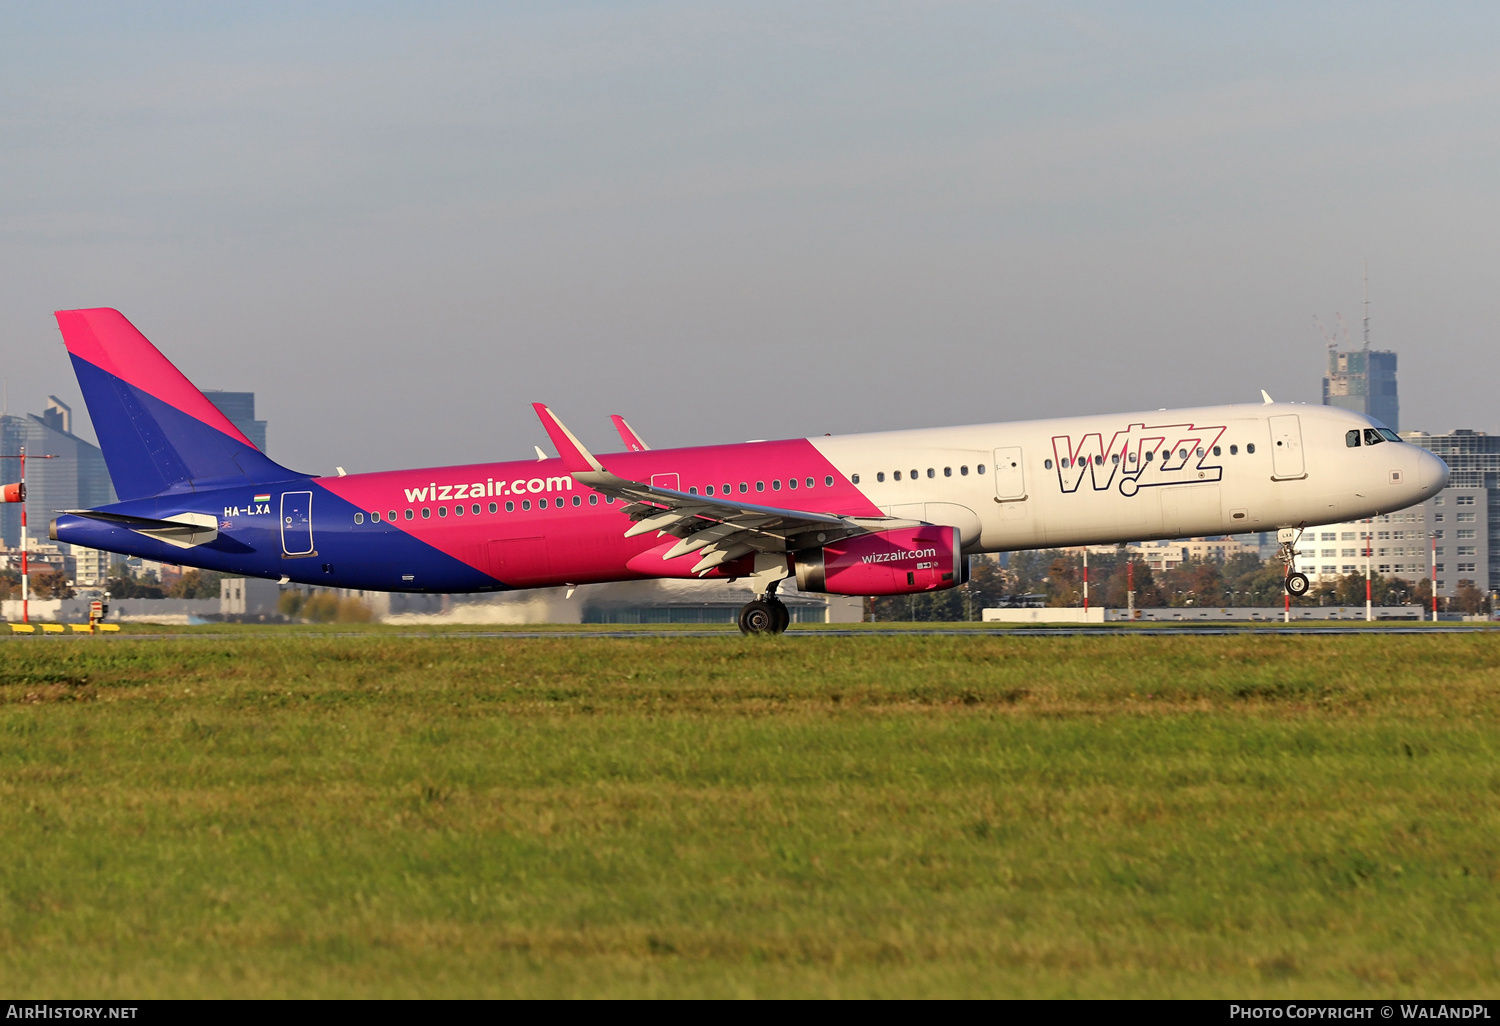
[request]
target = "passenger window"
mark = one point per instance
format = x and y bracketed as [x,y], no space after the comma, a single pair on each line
[810,482]
[963,471]
[541,504]
[776,485]
[1218,451]
[458,510]
[610,499]
[593,498]
[760,486]
[442,511]
[426,513]
[577,501]
[392,516]
[828,480]
[854,479]
[979,469]
[1047,464]
[510,507]
[931,473]
[475,509]
[896,475]
[1234,450]
[1182,454]
[692,489]
[744,488]
[947,471]
[1149,455]
[375,516]
[525,504]
[1200,454]
[1066,463]
[1135,457]
[1249,448]
[726,490]
[1099,460]
[913,474]
[496,509]
[708,489]
[1351,438]
[791,482]
[1114,458]
[880,475]
[359,518]
[1372,437]
[408,514]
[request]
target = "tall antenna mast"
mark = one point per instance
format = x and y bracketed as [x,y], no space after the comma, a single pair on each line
[1367,304]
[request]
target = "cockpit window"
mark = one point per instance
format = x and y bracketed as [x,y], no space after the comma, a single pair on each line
[1372,437]
[1351,438]
[1389,435]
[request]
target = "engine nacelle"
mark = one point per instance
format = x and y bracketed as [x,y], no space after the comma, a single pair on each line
[899,562]
[13,493]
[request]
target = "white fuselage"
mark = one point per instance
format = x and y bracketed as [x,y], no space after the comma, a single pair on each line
[1125,477]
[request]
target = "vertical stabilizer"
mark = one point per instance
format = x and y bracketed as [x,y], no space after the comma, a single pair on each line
[157,431]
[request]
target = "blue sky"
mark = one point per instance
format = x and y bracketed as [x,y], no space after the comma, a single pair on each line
[400,223]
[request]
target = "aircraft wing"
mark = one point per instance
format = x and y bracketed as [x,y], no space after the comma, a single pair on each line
[721,529]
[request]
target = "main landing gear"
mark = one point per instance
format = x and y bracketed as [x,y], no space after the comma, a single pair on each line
[1296,583]
[764,616]
[767,614]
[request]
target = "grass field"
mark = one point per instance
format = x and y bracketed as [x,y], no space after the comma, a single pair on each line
[1014,816]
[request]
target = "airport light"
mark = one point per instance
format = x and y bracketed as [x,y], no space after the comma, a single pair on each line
[17,493]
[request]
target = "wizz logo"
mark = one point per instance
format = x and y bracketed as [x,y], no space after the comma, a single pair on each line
[1139,457]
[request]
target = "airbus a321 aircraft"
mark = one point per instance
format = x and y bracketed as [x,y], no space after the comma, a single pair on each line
[876,514]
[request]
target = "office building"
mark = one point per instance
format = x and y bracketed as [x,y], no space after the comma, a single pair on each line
[1363,380]
[1452,529]
[239,407]
[76,479]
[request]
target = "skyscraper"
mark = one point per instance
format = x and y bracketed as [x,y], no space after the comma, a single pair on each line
[77,479]
[239,407]
[1363,380]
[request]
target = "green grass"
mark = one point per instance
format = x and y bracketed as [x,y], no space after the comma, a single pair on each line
[1094,816]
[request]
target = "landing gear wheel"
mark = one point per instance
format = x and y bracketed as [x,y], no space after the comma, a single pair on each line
[758,618]
[1297,585]
[783,615]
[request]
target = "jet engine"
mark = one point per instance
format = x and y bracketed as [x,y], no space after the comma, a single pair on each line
[898,562]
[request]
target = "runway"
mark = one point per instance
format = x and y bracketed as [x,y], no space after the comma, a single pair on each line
[801,633]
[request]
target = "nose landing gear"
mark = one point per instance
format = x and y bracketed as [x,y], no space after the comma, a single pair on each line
[1296,583]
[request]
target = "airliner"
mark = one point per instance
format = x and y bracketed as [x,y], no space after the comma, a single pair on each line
[888,513]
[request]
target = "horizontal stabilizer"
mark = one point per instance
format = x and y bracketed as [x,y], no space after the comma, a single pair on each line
[184,531]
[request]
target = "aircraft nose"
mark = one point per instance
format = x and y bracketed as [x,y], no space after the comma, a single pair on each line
[1433,473]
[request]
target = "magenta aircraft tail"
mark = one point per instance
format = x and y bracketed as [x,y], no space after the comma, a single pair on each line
[157,431]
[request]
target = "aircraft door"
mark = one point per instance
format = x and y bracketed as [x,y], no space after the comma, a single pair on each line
[1010,475]
[296,524]
[671,481]
[1286,448]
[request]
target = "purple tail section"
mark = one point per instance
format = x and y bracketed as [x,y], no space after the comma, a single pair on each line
[157,431]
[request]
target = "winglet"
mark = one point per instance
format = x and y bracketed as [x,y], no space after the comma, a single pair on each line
[1266,397]
[575,457]
[633,442]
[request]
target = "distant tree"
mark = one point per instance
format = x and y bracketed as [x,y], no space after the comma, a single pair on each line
[196,584]
[1468,599]
[51,584]
[130,587]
